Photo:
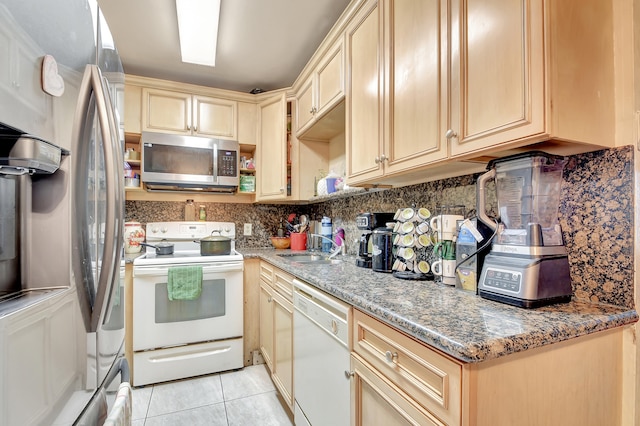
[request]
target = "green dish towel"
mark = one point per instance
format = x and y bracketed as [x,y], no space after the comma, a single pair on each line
[185,282]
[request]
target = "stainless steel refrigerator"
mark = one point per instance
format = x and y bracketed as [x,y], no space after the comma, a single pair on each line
[61,216]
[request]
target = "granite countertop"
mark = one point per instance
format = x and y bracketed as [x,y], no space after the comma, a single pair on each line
[457,322]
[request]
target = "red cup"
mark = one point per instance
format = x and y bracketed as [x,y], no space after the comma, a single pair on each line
[298,241]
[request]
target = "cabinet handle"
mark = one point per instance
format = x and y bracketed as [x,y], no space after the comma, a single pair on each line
[381,159]
[195,128]
[450,134]
[269,300]
[349,374]
[391,357]
[282,190]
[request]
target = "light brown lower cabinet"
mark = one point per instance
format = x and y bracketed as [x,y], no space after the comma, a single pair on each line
[398,380]
[276,328]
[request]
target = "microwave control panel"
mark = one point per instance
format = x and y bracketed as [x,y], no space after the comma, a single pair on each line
[227,163]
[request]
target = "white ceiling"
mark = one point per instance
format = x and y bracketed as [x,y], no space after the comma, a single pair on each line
[261,43]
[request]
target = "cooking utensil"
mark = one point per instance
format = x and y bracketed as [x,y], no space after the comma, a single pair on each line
[163,248]
[304,223]
[215,245]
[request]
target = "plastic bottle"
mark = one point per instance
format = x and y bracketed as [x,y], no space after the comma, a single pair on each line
[327,231]
[189,211]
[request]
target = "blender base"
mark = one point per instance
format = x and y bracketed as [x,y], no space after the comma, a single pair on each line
[525,281]
[523,303]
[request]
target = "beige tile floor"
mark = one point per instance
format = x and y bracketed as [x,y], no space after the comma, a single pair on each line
[235,398]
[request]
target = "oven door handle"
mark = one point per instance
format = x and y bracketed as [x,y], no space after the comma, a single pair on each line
[219,267]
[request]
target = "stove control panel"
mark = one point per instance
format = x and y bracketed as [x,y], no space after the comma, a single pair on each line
[189,230]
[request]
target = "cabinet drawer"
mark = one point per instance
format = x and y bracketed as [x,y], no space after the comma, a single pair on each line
[430,378]
[266,273]
[283,283]
[378,401]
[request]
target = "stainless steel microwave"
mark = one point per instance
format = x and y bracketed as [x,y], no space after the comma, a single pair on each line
[189,163]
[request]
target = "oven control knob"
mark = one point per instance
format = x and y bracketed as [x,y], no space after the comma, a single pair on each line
[227,229]
[164,230]
[154,230]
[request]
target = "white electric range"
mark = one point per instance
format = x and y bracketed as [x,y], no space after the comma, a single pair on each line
[174,339]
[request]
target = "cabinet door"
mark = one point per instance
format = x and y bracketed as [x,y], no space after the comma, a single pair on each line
[417,82]
[376,401]
[330,79]
[305,105]
[266,323]
[364,121]
[272,149]
[132,108]
[215,117]
[166,111]
[497,70]
[283,347]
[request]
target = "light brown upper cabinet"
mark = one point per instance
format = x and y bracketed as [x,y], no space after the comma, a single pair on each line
[397,88]
[320,95]
[427,84]
[188,114]
[525,71]
[271,150]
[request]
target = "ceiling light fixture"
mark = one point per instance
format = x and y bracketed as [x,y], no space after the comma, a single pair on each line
[198,29]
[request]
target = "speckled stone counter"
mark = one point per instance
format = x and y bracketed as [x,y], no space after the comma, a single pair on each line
[457,322]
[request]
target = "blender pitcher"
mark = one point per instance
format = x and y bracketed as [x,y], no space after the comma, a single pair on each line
[528,194]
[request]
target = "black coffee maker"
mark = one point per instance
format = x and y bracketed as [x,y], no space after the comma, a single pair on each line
[367,222]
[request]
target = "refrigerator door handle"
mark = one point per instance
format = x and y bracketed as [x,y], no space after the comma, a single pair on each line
[114,181]
[118,153]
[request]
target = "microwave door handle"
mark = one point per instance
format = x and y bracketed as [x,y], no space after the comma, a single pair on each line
[215,162]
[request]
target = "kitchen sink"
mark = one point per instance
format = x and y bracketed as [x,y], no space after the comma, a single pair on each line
[311,258]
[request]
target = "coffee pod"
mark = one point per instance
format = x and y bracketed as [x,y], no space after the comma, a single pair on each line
[424,240]
[422,267]
[408,254]
[407,214]
[401,251]
[397,215]
[396,265]
[423,228]
[424,213]
[396,226]
[434,237]
[407,227]
[409,265]
[408,240]
[397,239]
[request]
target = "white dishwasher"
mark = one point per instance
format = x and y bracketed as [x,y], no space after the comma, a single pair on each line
[321,358]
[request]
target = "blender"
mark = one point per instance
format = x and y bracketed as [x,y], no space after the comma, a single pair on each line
[528,264]
[367,222]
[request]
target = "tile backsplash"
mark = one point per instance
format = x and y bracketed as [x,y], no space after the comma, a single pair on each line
[596,214]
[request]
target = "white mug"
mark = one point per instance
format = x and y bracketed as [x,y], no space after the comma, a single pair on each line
[446,225]
[444,267]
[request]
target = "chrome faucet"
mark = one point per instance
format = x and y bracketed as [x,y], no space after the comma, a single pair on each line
[342,249]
